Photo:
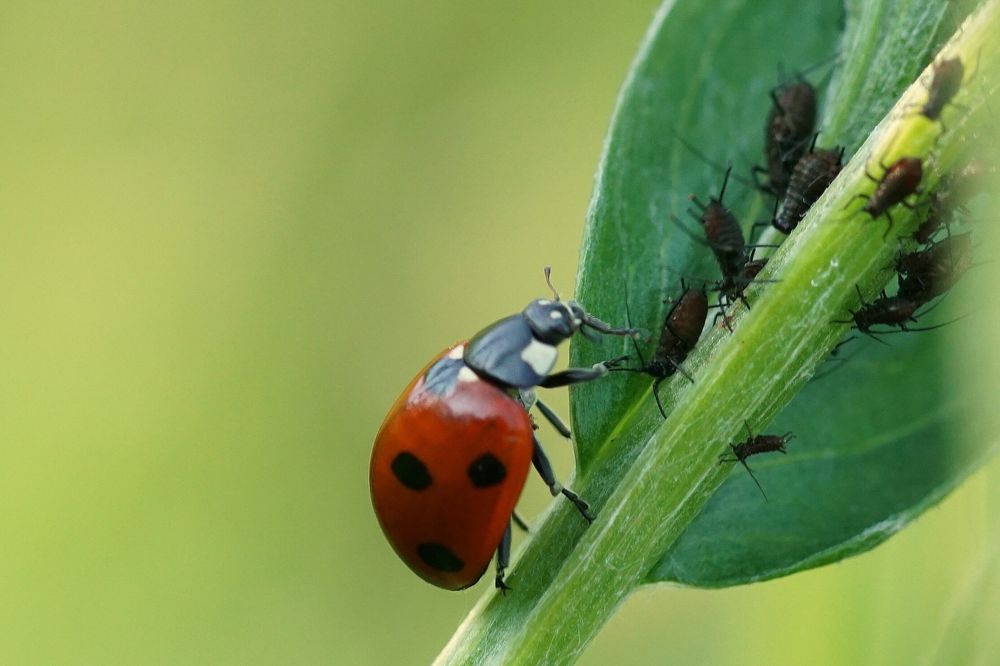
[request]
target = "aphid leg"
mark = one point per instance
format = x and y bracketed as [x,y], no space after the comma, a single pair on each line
[746,424]
[754,477]
[544,469]
[553,418]
[503,559]
[680,368]
[888,228]
[847,205]
[628,319]
[656,394]
[520,522]
[729,457]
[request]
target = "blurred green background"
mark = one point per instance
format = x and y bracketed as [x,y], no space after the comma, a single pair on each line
[231,233]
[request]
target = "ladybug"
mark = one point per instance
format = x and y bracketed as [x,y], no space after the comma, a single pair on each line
[452,455]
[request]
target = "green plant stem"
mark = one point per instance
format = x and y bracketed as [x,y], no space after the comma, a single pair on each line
[569,580]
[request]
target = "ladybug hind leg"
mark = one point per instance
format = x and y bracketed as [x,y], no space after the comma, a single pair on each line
[503,560]
[544,469]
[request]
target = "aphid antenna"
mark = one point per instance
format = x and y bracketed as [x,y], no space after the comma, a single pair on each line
[687,276]
[725,181]
[925,328]
[808,69]
[690,234]
[707,160]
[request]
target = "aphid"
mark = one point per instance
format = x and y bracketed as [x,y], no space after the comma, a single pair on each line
[899,181]
[928,273]
[790,125]
[453,453]
[945,84]
[812,174]
[886,310]
[961,185]
[753,445]
[681,330]
[723,234]
[952,193]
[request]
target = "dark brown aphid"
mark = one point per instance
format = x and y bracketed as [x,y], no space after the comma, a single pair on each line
[953,192]
[955,189]
[945,84]
[681,330]
[926,274]
[899,181]
[753,445]
[789,127]
[885,310]
[812,174]
[723,234]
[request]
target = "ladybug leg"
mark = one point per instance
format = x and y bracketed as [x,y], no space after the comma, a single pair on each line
[520,522]
[574,376]
[544,468]
[552,418]
[503,559]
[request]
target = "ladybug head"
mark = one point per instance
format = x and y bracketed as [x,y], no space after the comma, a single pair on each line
[553,321]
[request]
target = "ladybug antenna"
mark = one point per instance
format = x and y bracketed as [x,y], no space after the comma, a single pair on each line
[548,280]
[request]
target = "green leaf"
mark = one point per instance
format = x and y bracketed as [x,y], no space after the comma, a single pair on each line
[873,450]
[721,548]
[705,77]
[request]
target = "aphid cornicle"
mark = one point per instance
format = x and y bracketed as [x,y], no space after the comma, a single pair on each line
[928,273]
[681,330]
[754,445]
[812,174]
[790,125]
[452,455]
[900,180]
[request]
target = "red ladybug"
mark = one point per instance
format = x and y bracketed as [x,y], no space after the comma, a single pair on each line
[453,453]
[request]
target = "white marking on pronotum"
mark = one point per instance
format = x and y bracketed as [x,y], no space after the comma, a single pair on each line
[467,375]
[540,356]
[457,352]
[555,314]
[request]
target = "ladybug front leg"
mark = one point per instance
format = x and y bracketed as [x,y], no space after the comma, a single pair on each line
[503,559]
[544,468]
[574,376]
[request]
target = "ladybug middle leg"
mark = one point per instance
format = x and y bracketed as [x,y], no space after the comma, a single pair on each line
[552,418]
[544,469]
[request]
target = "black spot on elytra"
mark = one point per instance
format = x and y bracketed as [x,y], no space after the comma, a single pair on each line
[439,557]
[441,377]
[486,471]
[411,471]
